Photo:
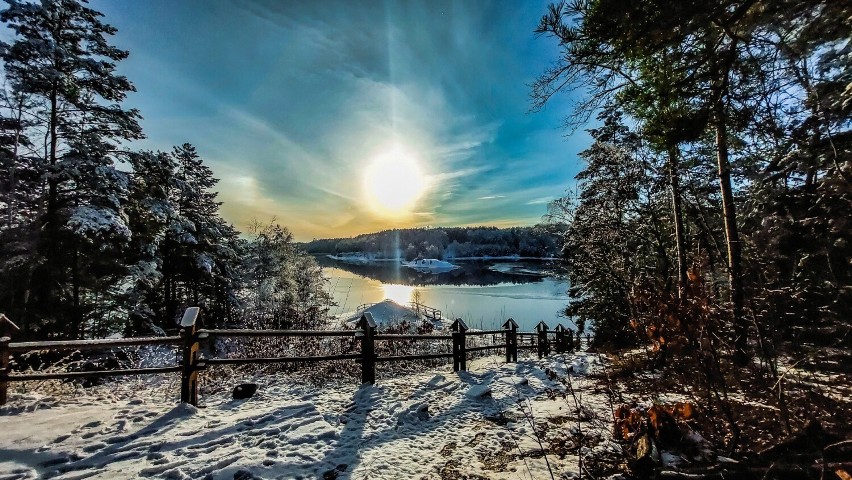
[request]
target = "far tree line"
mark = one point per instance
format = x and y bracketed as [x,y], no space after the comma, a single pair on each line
[446,243]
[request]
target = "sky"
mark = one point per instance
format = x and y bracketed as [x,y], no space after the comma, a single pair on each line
[340,118]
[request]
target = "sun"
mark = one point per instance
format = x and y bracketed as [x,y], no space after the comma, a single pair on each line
[393,182]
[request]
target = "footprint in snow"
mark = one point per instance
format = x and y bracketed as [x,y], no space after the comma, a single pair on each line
[94,447]
[478,391]
[54,462]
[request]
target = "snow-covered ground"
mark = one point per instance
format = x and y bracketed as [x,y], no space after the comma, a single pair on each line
[434,425]
[387,312]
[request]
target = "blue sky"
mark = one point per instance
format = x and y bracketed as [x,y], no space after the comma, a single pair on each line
[289,102]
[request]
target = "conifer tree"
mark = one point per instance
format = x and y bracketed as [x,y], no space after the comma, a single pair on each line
[60,58]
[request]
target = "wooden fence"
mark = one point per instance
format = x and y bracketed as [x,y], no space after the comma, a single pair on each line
[192,361]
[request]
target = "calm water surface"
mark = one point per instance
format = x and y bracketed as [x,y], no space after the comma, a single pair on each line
[483,293]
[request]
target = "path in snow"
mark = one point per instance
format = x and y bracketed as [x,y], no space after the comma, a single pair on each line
[435,425]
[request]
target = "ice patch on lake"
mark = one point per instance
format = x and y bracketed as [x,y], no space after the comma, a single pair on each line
[430,265]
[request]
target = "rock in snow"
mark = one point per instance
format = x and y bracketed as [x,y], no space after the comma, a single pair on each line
[244,390]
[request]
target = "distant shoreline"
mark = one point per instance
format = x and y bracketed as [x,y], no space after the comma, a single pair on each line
[464,259]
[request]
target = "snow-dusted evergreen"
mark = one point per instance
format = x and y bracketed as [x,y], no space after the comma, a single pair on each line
[61,65]
[97,239]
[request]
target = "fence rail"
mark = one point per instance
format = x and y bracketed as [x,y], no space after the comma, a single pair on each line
[263,360]
[19,347]
[276,333]
[192,361]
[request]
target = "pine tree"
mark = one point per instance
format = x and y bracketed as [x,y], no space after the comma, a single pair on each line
[150,210]
[199,250]
[60,59]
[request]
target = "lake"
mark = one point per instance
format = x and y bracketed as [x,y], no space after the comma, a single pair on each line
[484,293]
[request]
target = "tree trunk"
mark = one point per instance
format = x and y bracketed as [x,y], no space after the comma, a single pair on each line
[677,212]
[11,201]
[76,328]
[52,195]
[731,234]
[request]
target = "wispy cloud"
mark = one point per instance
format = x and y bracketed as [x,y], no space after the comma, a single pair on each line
[289,101]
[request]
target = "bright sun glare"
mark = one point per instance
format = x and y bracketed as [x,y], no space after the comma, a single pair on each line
[393,183]
[401,294]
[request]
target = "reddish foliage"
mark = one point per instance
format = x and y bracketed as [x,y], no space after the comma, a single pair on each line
[667,423]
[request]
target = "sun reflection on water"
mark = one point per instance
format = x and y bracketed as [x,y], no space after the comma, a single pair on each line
[401,294]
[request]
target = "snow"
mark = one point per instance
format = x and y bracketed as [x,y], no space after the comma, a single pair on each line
[515,269]
[386,312]
[430,265]
[360,258]
[97,223]
[432,425]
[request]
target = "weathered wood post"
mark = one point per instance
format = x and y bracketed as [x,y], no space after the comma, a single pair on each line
[189,374]
[459,346]
[543,346]
[366,331]
[569,342]
[511,340]
[560,338]
[7,328]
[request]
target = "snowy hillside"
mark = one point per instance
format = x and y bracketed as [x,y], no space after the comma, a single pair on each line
[434,425]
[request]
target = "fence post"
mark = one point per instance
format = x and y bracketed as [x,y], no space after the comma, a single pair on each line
[543,346]
[7,328]
[366,331]
[570,340]
[511,340]
[189,374]
[459,346]
[560,338]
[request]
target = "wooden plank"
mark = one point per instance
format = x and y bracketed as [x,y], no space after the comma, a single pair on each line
[486,332]
[4,369]
[189,355]
[487,347]
[261,361]
[93,344]
[366,332]
[414,357]
[278,333]
[411,337]
[100,373]
[511,337]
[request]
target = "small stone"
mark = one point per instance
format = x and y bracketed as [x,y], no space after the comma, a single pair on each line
[244,390]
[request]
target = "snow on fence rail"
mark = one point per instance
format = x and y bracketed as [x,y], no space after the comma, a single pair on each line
[192,361]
